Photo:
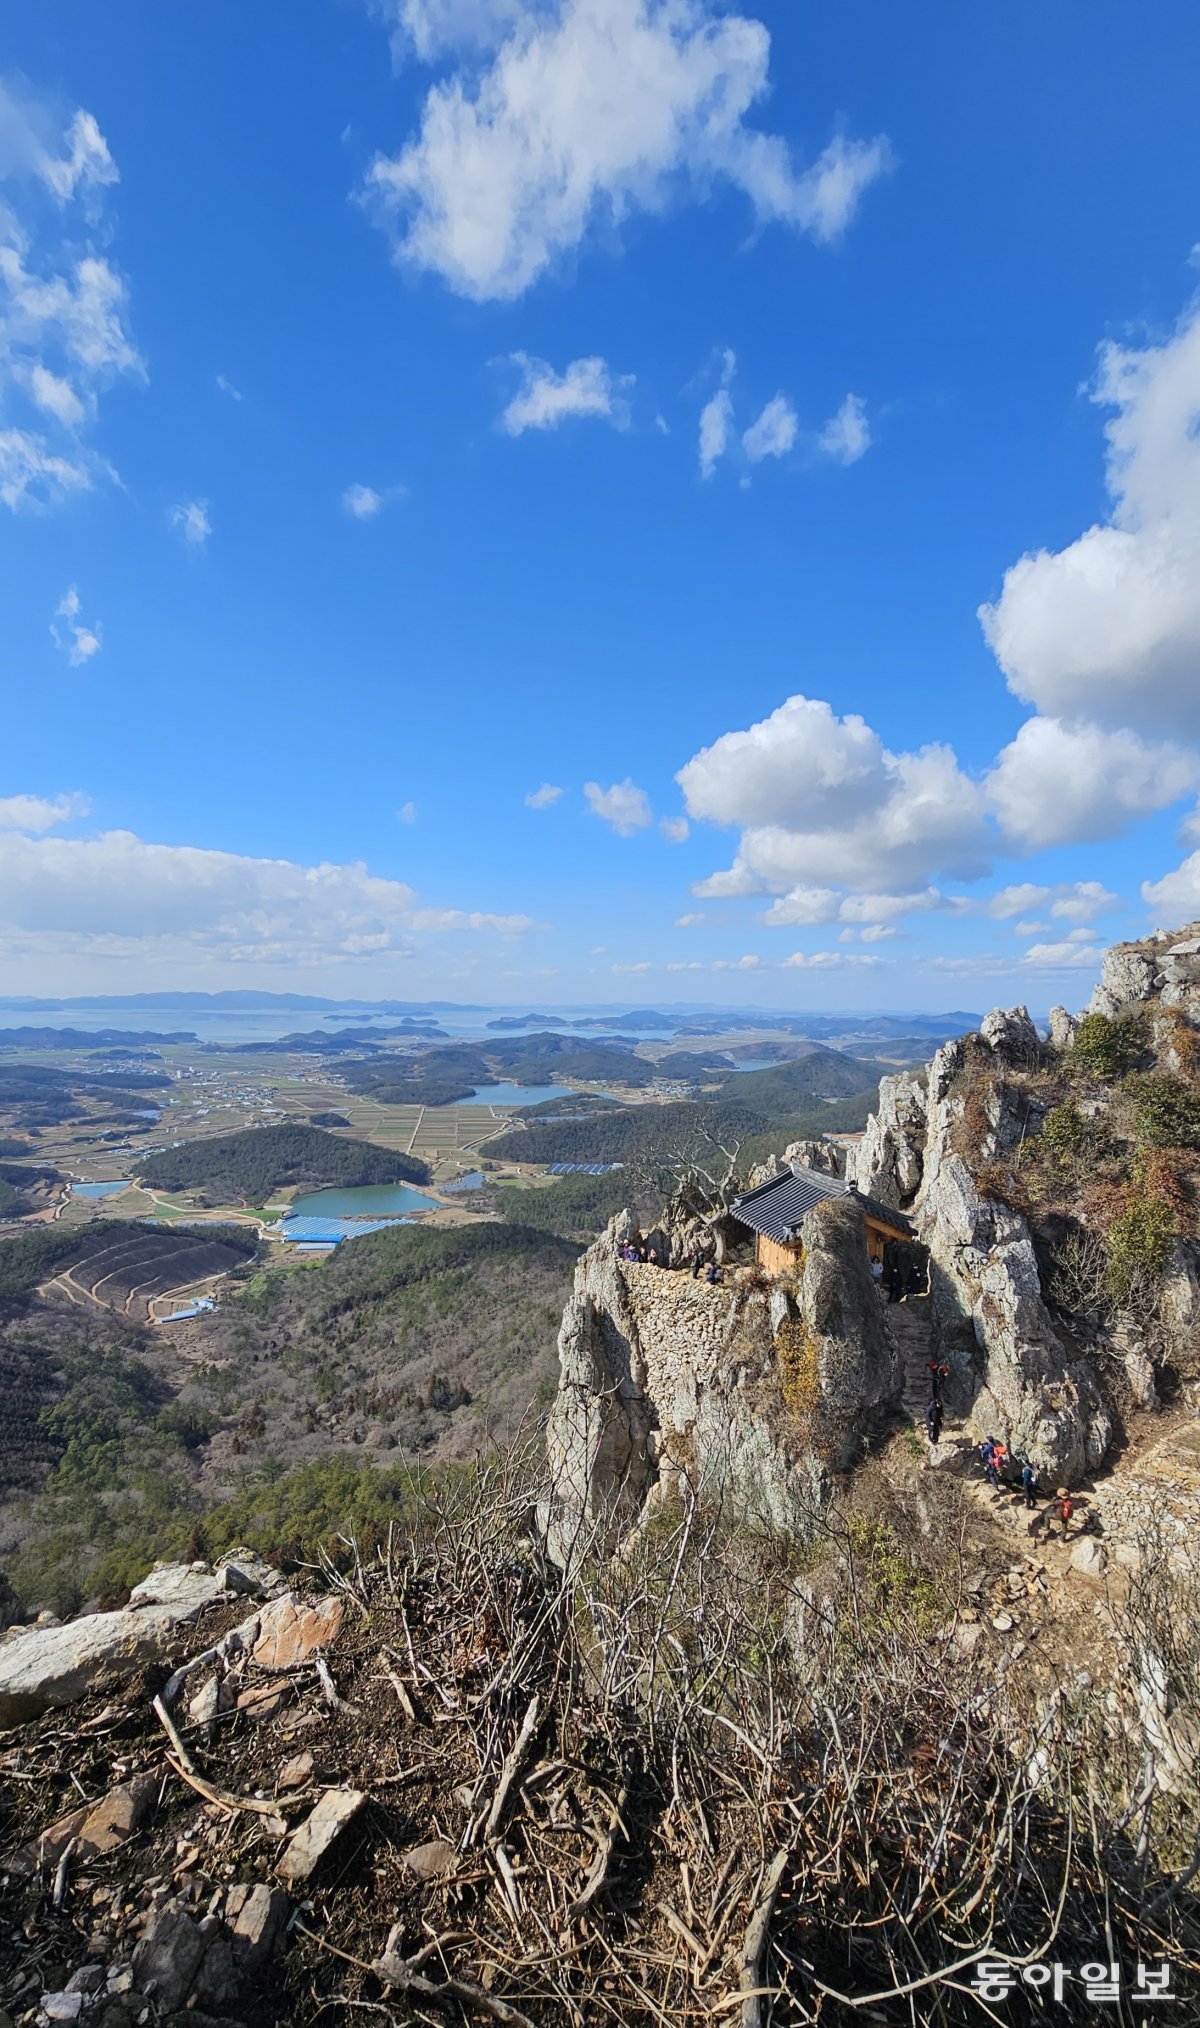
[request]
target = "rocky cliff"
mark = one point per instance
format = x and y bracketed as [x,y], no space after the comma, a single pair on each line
[1019,1159]
[1054,1181]
[748,1391]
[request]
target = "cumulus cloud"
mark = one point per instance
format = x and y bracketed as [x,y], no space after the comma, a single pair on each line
[543,798]
[546,398]
[571,114]
[675,829]
[774,433]
[825,805]
[1060,957]
[1068,901]
[64,332]
[116,892]
[624,806]
[40,813]
[77,641]
[847,435]
[643,966]
[689,920]
[1109,628]
[1059,784]
[191,519]
[1176,897]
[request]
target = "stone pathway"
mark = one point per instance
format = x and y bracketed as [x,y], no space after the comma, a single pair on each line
[909,1324]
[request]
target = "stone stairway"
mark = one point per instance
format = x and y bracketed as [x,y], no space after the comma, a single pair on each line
[909,1325]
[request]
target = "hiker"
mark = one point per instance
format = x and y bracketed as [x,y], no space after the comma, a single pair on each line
[1000,1464]
[914,1279]
[1029,1482]
[987,1455]
[712,1274]
[938,1372]
[933,1420]
[876,1270]
[1063,1509]
[695,1258]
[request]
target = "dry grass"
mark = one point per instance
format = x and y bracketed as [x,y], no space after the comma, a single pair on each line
[695,1783]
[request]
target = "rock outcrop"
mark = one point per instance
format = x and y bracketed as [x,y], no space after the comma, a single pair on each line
[42,1667]
[745,1392]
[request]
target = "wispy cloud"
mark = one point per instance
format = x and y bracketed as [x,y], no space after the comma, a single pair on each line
[190,517]
[77,641]
[543,798]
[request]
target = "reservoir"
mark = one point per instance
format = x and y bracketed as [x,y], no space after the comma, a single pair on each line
[508,1096]
[98,1189]
[373,1200]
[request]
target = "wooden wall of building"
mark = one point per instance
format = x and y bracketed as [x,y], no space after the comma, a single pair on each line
[773,1258]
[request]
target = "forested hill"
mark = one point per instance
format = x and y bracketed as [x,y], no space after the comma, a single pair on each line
[246,1168]
[824,1073]
[654,1135]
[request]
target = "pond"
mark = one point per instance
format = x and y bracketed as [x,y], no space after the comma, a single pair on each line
[508,1096]
[373,1200]
[99,1189]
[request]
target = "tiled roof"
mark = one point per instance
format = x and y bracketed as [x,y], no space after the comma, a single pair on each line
[777,1208]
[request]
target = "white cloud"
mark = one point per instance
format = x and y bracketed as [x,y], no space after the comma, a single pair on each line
[825,904]
[624,806]
[774,433]
[1069,901]
[716,426]
[428,28]
[546,398]
[685,965]
[191,519]
[40,813]
[1031,929]
[847,435]
[825,805]
[543,798]
[33,143]
[361,502]
[675,829]
[55,396]
[407,813]
[586,111]
[116,893]
[77,641]
[644,966]
[818,961]
[227,387]
[1109,628]
[690,920]
[1176,897]
[1060,957]
[1058,784]
[33,475]
[64,333]
[1081,936]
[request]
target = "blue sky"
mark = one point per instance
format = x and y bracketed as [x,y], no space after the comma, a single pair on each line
[443,401]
